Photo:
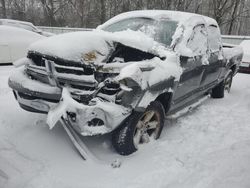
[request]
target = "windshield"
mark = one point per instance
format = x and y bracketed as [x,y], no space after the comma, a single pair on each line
[161,31]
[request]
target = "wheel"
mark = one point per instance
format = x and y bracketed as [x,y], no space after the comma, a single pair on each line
[219,90]
[139,128]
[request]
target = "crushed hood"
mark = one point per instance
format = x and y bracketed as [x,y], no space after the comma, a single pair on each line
[73,46]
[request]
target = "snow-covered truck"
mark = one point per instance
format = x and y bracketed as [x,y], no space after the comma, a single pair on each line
[127,75]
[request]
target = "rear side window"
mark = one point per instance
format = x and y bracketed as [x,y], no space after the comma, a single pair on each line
[214,41]
[198,40]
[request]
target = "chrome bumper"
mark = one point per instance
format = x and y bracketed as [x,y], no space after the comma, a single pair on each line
[33,95]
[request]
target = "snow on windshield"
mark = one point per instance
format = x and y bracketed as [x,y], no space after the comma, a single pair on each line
[161,31]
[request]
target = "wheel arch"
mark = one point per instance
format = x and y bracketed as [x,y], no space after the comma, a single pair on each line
[233,68]
[165,99]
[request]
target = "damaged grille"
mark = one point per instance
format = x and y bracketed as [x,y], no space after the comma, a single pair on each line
[81,79]
[61,66]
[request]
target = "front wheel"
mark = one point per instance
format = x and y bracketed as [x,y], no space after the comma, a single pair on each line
[139,128]
[219,90]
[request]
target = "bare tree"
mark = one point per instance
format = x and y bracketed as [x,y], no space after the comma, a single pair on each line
[3,9]
[103,11]
[231,15]
[51,8]
[49,11]
[234,16]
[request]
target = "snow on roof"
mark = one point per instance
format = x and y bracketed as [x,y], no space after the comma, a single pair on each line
[10,34]
[156,14]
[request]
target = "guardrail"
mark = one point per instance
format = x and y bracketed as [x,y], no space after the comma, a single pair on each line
[230,39]
[234,39]
[60,30]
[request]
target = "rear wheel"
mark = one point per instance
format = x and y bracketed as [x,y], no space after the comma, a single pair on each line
[219,90]
[139,128]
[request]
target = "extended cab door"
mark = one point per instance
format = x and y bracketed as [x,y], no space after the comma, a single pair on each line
[192,66]
[215,60]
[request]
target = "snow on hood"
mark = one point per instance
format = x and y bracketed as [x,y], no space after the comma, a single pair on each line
[72,46]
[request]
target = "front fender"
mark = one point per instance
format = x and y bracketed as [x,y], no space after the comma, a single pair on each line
[154,91]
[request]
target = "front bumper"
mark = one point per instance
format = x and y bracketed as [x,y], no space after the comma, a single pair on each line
[33,95]
[99,117]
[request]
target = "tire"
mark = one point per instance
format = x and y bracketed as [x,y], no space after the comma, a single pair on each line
[136,129]
[225,85]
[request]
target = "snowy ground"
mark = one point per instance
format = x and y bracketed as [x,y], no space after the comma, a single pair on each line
[209,147]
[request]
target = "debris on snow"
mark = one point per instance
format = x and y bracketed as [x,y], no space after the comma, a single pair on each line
[116,163]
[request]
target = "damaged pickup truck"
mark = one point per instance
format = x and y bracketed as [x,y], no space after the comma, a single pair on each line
[127,75]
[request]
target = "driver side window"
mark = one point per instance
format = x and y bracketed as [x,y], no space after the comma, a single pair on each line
[198,40]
